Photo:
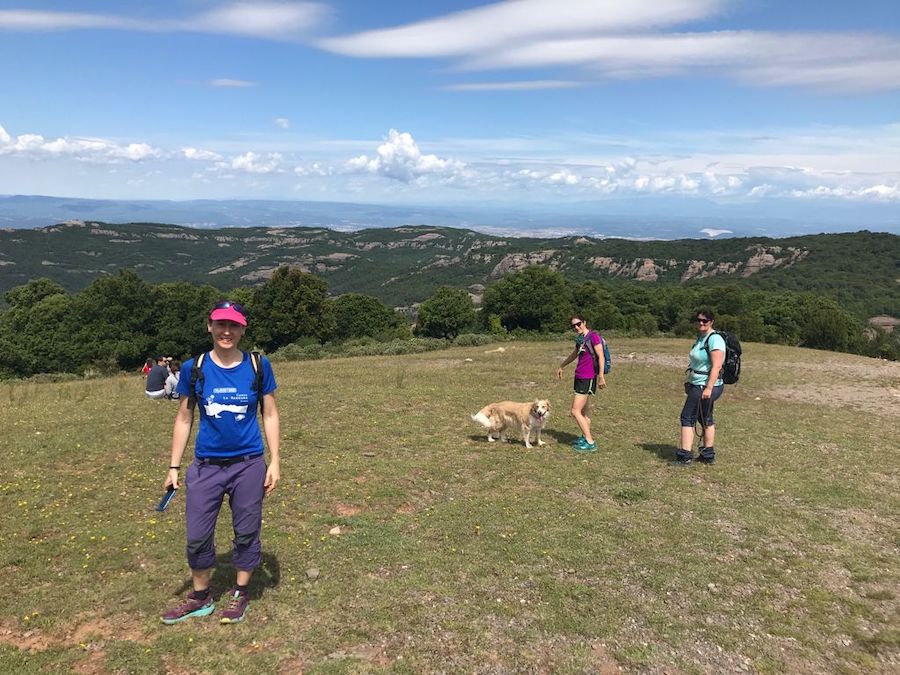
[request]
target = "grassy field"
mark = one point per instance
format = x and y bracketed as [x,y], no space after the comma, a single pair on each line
[455,555]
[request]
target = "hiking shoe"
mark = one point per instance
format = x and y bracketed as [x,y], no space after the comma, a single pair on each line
[578,441]
[237,605]
[190,607]
[584,446]
[683,458]
[707,456]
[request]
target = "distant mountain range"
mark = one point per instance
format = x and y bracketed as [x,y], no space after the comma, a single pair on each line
[653,218]
[404,265]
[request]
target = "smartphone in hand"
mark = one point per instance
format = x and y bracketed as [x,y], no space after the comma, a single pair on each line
[164,502]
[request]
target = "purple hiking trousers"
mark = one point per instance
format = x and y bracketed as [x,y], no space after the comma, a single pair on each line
[207,484]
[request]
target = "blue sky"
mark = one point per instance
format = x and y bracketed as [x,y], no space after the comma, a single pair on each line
[454,102]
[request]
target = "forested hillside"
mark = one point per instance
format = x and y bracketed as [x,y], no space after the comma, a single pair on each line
[405,265]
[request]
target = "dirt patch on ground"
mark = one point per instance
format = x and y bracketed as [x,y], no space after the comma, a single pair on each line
[878,400]
[90,633]
[346,510]
[872,385]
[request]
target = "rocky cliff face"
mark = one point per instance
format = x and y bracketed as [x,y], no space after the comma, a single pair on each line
[648,269]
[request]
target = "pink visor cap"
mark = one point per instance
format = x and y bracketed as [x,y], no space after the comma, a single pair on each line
[228,311]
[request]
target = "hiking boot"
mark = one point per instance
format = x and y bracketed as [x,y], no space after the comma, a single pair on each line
[237,605]
[189,607]
[707,455]
[578,441]
[584,446]
[683,458]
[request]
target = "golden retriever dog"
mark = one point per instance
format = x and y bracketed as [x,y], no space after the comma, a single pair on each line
[528,417]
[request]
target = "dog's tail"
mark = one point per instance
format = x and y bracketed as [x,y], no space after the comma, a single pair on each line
[482,419]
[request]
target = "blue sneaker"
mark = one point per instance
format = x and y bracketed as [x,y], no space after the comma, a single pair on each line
[578,441]
[584,446]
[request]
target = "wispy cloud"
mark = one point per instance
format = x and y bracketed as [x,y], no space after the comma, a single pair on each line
[619,39]
[227,83]
[513,21]
[524,85]
[282,122]
[821,60]
[268,20]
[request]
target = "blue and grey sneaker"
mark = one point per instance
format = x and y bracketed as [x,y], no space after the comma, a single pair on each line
[190,607]
[578,441]
[584,446]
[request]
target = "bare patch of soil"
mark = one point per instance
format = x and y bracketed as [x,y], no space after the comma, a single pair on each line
[346,510]
[878,400]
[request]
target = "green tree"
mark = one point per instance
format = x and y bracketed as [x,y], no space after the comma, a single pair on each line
[36,332]
[365,316]
[446,314]
[181,312]
[291,305]
[595,302]
[114,319]
[826,326]
[536,298]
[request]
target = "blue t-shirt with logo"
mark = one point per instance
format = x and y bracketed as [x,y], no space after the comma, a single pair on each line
[227,402]
[700,363]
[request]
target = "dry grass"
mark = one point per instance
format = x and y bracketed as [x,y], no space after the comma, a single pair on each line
[460,556]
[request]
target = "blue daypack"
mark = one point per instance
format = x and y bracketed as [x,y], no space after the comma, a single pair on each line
[590,347]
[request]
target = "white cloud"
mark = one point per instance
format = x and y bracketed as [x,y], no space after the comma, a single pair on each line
[844,61]
[513,21]
[36,146]
[525,85]
[260,19]
[200,155]
[228,83]
[400,158]
[881,193]
[251,162]
[26,20]
[604,39]
[282,122]
[713,232]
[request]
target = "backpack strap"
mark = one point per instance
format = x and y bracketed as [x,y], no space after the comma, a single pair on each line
[709,354]
[196,378]
[255,361]
[589,346]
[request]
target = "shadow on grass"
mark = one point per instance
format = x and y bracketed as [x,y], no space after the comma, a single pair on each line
[267,575]
[559,437]
[665,451]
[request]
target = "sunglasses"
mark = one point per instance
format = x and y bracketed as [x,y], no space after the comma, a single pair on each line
[699,320]
[576,326]
[228,304]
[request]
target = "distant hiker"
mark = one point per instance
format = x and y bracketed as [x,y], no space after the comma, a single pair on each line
[172,379]
[704,385]
[228,459]
[588,377]
[156,379]
[148,364]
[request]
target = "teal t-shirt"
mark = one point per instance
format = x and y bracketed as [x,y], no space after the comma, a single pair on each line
[700,364]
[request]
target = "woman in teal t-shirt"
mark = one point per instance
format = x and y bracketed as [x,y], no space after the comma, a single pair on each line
[703,387]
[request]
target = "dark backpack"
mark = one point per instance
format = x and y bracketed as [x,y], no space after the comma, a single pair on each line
[589,346]
[731,366]
[197,378]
